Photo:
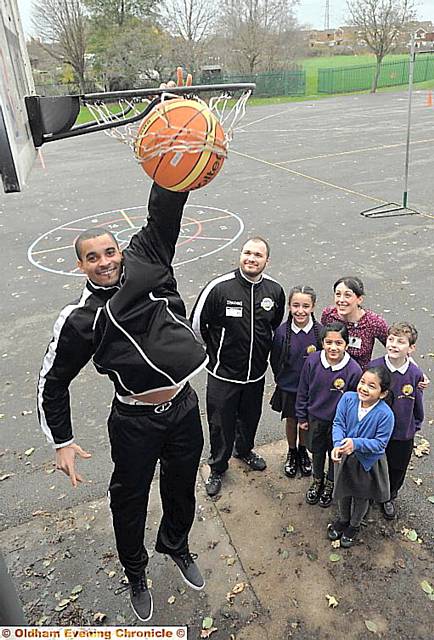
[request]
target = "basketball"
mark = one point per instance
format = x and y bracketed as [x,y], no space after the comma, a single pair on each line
[181,144]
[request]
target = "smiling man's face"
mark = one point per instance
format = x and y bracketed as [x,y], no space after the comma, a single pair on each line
[101,260]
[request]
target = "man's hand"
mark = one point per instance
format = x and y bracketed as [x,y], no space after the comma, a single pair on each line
[303,425]
[179,80]
[65,461]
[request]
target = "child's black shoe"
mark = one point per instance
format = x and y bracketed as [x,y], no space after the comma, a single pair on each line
[326,496]
[291,464]
[304,461]
[314,491]
[349,536]
[336,529]
[389,509]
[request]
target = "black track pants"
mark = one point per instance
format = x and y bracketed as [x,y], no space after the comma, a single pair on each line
[139,437]
[233,411]
[398,453]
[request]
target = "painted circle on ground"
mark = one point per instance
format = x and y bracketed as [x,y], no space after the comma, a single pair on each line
[204,230]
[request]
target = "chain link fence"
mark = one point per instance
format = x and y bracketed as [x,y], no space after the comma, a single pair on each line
[349,79]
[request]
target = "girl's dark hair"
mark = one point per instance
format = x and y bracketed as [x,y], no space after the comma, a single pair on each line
[339,327]
[309,291]
[383,374]
[353,283]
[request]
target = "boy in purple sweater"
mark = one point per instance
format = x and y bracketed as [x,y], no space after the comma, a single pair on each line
[406,403]
[325,377]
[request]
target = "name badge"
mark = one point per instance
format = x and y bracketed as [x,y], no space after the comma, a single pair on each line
[355,343]
[234,312]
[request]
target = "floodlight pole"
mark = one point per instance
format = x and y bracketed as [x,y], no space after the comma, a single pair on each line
[410,94]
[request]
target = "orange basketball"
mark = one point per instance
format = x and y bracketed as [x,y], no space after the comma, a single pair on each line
[181,144]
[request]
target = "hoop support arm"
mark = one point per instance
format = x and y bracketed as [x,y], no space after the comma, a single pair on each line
[142,93]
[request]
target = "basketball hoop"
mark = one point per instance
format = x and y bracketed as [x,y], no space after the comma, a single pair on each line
[120,115]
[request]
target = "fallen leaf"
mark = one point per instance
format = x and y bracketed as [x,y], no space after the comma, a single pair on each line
[29,452]
[111,574]
[5,476]
[42,621]
[334,557]
[99,616]
[207,623]
[230,561]
[417,481]
[411,535]
[332,602]
[238,587]
[171,600]
[50,470]
[431,499]
[26,413]
[336,544]
[427,587]
[290,529]
[77,589]
[205,633]
[371,626]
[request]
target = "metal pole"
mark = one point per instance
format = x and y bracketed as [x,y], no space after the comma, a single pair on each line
[410,93]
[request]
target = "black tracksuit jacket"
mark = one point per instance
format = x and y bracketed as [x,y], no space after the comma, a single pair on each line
[136,331]
[236,319]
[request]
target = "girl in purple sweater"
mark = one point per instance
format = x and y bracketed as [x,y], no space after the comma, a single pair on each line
[293,341]
[326,375]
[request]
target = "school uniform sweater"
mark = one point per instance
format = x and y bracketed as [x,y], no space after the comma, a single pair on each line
[406,397]
[321,386]
[303,342]
[370,435]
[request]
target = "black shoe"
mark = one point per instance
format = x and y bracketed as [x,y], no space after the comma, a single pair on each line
[304,462]
[314,491]
[253,460]
[189,570]
[349,536]
[336,529]
[214,483]
[326,496]
[291,464]
[389,510]
[140,596]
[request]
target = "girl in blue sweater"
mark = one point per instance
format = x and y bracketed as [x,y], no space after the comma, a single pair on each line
[362,428]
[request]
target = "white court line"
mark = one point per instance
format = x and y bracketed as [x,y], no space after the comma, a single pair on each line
[345,153]
[319,181]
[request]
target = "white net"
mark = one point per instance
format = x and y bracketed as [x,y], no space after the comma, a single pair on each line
[227,110]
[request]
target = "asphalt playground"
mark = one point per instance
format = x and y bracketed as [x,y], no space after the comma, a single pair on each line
[299,174]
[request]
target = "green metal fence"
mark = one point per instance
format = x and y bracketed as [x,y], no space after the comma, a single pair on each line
[274,83]
[348,79]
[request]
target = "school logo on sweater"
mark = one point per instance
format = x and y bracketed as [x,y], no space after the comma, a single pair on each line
[339,384]
[267,304]
[311,348]
[407,391]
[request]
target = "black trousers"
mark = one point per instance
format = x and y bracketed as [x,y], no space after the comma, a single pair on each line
[398,454]
[140,436]
[233,411]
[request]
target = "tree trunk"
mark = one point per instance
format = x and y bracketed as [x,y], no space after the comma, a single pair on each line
[376,75]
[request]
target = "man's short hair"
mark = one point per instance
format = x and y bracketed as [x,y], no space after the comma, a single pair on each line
[404,329]
[259,239]
[88,234]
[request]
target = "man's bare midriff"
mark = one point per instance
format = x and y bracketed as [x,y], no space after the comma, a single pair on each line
[157,397]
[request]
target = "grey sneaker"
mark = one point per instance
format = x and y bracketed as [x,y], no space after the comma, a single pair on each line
[140,596]
[189,570]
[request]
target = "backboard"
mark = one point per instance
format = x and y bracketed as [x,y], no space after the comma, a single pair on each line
[17,151]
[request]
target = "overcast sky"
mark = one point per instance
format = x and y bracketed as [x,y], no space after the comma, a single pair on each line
[309,12]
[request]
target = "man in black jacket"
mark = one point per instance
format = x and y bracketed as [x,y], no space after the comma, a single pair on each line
[236,315]
[131,320]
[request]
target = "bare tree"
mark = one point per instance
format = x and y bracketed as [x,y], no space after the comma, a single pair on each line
[257,29]
[61,27]
[118,12]
[380,22]
[190,22]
